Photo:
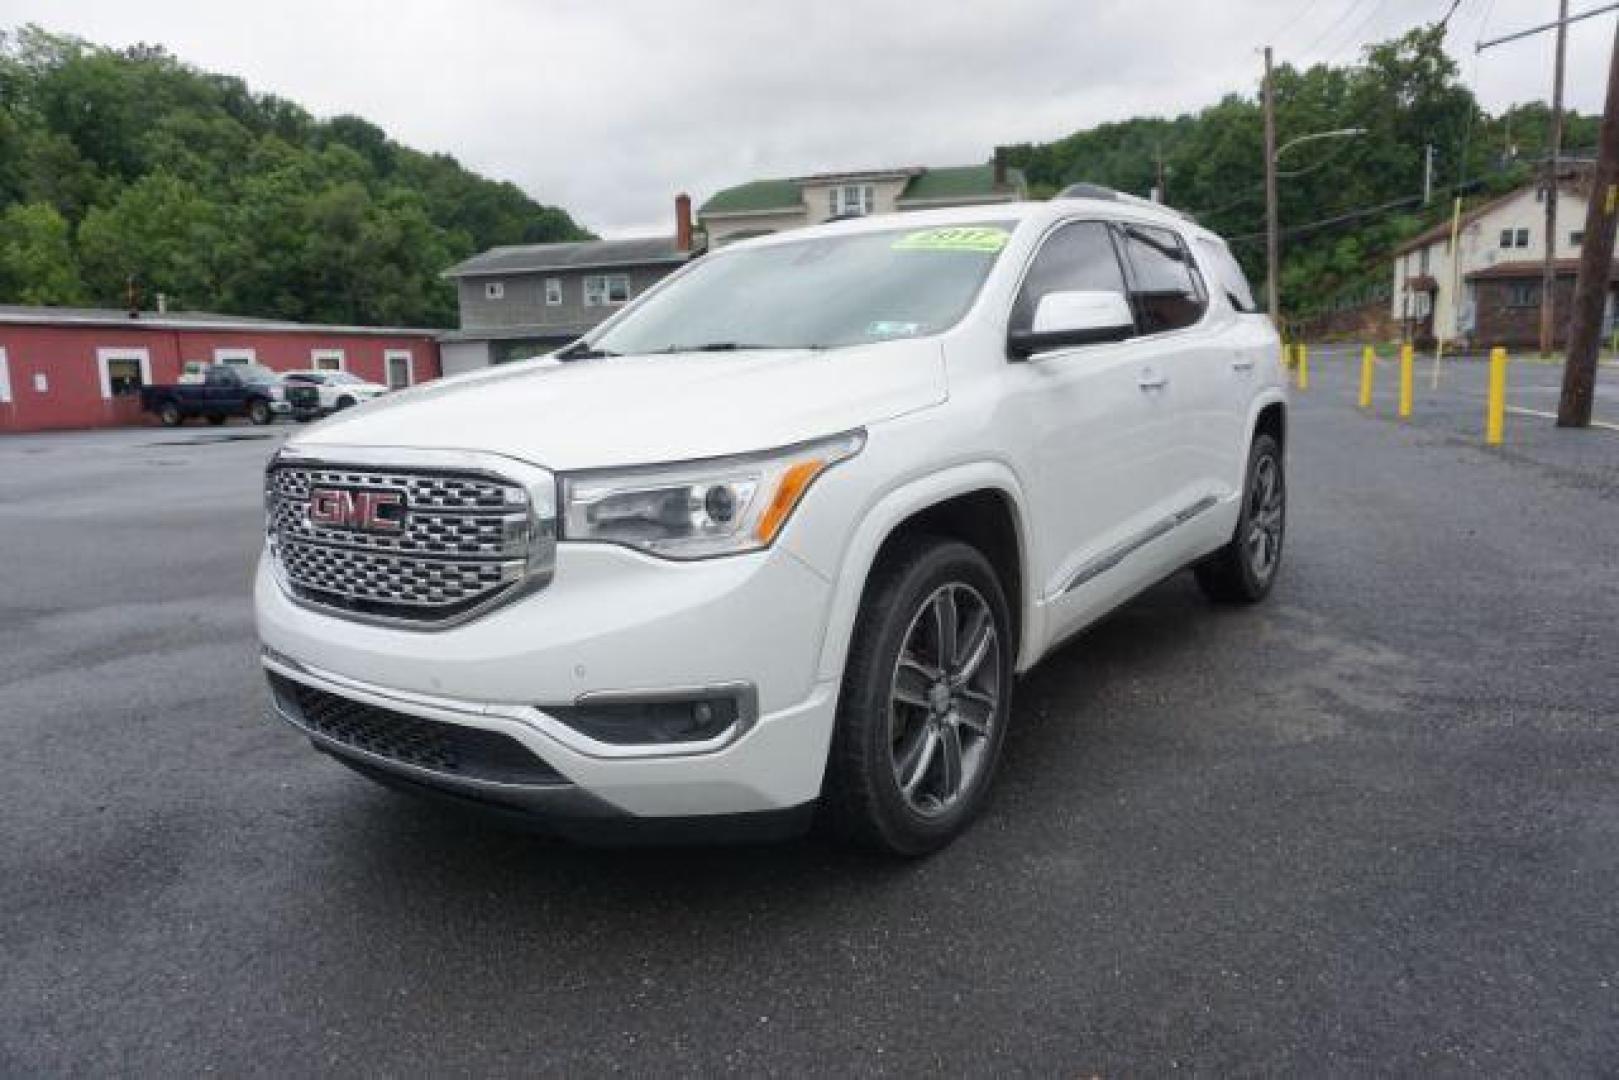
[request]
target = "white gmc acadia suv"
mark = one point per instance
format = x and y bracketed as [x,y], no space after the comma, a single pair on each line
[777,538]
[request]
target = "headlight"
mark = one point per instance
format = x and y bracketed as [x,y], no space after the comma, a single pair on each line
[721,506]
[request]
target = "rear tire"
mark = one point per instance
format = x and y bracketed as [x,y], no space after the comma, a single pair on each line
[1244,570]
[170,415]
[925,701]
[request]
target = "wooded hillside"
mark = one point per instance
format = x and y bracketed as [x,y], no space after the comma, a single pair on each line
[128,164]
[1406,94]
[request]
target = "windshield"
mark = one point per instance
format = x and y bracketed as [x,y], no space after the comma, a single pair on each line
[816,293]
[255,373]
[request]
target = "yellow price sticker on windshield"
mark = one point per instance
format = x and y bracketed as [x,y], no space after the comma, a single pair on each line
[971,238]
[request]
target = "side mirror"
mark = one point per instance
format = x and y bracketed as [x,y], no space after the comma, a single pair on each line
[1080,317]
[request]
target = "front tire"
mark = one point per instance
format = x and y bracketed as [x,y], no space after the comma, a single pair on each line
[259,413]
[1244,570]
[925,701]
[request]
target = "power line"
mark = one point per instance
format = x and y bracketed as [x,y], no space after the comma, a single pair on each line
[1332,28]
[1339,219]
[1355,34]
[1481,46]
[1298,16]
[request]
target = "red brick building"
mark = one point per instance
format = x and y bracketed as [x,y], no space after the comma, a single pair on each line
[84,367]
[1506,298]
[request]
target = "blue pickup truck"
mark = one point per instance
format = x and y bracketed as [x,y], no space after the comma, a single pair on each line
[227,390]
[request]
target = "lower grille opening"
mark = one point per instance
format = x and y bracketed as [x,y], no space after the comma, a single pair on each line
[410,740]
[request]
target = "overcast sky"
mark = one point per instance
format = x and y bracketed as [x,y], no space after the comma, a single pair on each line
[608,107]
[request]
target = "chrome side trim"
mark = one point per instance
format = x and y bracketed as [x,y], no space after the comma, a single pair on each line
[1118,553]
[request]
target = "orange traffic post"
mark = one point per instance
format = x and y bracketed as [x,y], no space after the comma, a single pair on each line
[1495,414]
[1406,360]
[1304,367]
[1368,364]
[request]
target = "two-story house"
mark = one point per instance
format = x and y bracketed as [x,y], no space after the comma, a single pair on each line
[528,299]
[1488,292]
[767,206]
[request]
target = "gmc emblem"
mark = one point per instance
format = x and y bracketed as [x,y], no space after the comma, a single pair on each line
[368,511]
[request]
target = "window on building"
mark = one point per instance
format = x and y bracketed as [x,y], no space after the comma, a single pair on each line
[399,369]
[1167,288]
[604,290]
[235,356]
[853,200]
[1523,238]
[1523,294]
[1576,238]
[326,359]
[553,291]
[1422,262]
[494,290]
[123,371]
[5,379]
[124,375]
[1506,238]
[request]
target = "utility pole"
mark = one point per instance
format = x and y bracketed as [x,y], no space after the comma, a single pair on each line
[1272,240]
[1548,269]
[1427,175]
[1596,261]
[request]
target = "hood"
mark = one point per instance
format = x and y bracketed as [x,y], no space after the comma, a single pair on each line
[638,410]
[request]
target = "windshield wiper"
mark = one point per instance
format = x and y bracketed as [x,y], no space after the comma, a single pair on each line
[732,346]
[580,351]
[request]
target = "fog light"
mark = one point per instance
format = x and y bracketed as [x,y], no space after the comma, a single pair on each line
[669,719]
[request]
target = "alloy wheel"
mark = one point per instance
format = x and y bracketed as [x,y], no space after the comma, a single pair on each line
[1266,511]
[944,699]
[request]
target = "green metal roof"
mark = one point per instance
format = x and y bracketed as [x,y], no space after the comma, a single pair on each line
[966,182]
[960,182]
[755,196]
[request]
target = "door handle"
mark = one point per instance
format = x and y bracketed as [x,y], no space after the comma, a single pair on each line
[1151,380]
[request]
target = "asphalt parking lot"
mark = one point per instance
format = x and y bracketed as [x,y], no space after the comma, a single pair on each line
[1369,826]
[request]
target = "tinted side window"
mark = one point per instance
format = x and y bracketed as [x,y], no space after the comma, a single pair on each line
[1078,255]
[1168,291]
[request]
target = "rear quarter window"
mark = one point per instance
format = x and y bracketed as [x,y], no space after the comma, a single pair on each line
[1227,274]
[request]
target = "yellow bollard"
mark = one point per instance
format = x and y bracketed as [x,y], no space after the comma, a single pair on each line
[1368,363]
[1495,414]
[1287,355]
[1405,381]
[1304,367]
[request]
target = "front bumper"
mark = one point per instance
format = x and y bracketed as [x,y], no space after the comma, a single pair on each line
[611,622]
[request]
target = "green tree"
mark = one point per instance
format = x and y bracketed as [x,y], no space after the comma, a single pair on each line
[37,264]
[162,234]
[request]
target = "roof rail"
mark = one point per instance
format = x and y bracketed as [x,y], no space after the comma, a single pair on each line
[1107,194]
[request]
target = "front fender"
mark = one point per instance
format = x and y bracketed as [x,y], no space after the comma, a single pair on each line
[879,521]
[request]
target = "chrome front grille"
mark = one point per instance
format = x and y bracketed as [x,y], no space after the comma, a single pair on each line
[462,539]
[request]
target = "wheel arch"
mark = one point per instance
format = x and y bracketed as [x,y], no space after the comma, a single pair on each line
[980,504]
[1269,416]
